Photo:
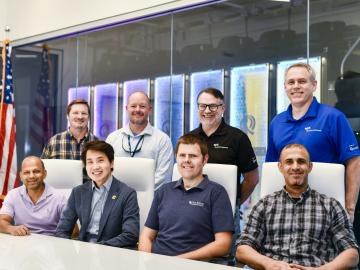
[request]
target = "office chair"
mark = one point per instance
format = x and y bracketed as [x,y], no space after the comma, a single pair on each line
[138,173]
[63,174]
[326,178]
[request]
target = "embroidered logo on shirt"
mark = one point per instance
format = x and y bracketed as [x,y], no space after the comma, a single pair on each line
[353,147]
[309,129]
[196,203]
[216,145]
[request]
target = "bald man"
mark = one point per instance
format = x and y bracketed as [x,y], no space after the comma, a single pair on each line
[140,139]
[34,207]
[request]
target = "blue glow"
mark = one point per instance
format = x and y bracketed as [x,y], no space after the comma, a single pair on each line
[129,88]
[169,104]
[198,82]
[105,109]
[79,92]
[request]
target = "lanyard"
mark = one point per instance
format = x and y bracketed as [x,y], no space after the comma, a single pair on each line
[132,153]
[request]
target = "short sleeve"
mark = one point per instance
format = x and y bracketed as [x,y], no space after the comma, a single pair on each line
[8,205]
[222,215]
[246,156]
[152,220]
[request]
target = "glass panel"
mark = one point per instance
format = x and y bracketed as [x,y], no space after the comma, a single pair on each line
[170,99]
[82,92]
[105,109]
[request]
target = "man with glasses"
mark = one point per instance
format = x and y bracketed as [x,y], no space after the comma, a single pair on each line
[140,139]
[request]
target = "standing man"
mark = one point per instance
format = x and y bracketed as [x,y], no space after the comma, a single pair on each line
[34,207]
[140,139]
[69,144]
[192,217]
[322,129]
[297,227]
[107,209]
[227,145]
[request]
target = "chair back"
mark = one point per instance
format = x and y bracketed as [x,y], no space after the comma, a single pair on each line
[63,174]
[223,174]
[139,174]
[325,178]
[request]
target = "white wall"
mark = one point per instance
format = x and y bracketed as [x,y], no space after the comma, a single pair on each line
[3,9]
[32,20]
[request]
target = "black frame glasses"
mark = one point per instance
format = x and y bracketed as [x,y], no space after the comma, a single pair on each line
[212,107]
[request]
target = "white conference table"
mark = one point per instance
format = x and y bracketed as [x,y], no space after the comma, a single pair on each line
[37,252]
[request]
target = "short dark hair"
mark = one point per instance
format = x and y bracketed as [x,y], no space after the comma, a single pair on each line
[212,91]
[295,145]
[193,139]
[100,146]
[77,101]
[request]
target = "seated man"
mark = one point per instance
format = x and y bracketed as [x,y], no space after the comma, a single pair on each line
[107,209]
[33,207]
[297,227]
[191,218]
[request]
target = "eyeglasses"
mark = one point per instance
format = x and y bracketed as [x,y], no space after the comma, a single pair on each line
[212,107]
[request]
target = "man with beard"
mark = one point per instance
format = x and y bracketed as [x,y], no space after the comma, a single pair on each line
[140,139]
[297,227]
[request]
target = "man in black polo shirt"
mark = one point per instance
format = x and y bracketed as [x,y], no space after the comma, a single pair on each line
[227,145]
[192,217]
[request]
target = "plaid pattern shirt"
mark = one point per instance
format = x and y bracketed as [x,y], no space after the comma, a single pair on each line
[310,231]
[64,146]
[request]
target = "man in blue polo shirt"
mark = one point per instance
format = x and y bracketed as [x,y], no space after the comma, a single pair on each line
[192,217]
[322,129]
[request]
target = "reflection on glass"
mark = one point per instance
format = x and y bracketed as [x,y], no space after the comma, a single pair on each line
[169,105]
[105,109]
[82,92]
[131,87]
[282,101]
[198,82]
[249,103]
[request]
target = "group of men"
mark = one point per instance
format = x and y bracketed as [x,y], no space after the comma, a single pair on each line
[294,228]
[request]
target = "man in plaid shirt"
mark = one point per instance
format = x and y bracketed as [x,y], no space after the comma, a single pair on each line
[69,143]
[297,227]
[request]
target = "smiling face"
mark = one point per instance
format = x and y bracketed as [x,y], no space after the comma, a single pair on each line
[98,167]
[295,165]
[138,108]
[190,161]
[299,86]
[32,173]
[78,116]
[207,117]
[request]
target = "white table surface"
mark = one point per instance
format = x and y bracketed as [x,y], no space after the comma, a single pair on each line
[37,252]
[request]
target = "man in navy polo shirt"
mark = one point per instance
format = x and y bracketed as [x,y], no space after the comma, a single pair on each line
[322,129]
[192,217]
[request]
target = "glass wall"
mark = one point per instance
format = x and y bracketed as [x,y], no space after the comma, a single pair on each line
[244,42]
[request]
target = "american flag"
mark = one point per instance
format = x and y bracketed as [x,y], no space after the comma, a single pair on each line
[41,114]
[8,162]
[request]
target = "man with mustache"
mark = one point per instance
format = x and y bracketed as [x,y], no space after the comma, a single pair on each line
[322,129]
[297,227]
[34,207]
[140,139]
[70,143]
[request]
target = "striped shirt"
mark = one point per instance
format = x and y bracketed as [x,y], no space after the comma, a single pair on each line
[310,231]
[65,146]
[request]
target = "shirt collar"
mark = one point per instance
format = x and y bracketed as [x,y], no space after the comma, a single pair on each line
[202,185]
[303,195]
[148,130]
[72,136]
[311,112]
[219,131]
[48,191]
[106,185]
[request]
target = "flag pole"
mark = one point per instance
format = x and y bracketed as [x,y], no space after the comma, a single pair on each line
[7,31]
